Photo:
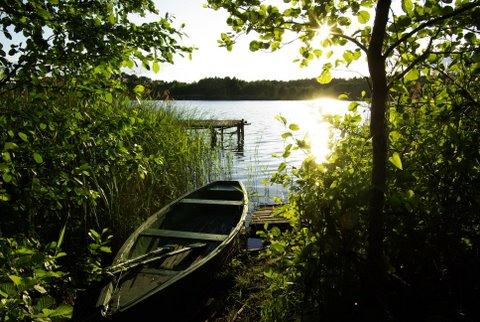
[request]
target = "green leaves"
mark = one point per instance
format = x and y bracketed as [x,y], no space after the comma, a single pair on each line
[363,16]
[7,177]
[352,106]
[17,280]
[37,157]
[281,119]
[10,146]
[87,63]
[325,77]
[277,247]
[63,311]
[226,41]
[294,127]
[61,236]
[156,67]
[257,45]
[396,161]
[407,6]
[287,151]
[139,89]
[33,279]
[23,136]
[412,75]
[108,97]
[286,135]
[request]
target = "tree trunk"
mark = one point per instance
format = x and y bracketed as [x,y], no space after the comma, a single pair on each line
[375,254]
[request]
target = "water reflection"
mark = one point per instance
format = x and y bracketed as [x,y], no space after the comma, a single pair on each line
[318,130]
[254,162]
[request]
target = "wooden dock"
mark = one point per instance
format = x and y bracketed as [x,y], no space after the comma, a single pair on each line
[218,127]
[264,215]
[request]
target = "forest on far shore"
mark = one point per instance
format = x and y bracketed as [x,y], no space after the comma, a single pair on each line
[235,89]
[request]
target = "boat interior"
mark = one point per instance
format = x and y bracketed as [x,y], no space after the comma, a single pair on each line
[190,229]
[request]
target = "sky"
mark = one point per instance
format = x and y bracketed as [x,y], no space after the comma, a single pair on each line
[203,27]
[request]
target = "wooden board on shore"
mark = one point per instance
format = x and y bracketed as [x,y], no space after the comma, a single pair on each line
[264,215]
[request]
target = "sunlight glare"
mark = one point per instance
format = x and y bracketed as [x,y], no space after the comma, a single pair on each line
[323,32]
[318,139]
[318,130]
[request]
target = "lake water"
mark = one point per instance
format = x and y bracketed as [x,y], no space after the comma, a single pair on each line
[263,136]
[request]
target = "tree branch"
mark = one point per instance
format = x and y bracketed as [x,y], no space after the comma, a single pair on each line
[431,23]
[356,42]
[413,63]
[465,91]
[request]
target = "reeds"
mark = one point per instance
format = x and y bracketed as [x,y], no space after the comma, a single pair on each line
[101,164]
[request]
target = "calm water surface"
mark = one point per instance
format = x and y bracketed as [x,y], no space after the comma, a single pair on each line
[263,135]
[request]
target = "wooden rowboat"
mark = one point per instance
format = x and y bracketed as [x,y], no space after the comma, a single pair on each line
[174,252]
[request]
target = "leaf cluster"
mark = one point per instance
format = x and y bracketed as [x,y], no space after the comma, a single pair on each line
[32,282]
[82,43]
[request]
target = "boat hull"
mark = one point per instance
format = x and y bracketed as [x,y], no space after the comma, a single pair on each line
[182,300]
[179,297]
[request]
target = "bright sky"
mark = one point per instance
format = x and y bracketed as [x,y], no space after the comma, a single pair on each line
[203,27]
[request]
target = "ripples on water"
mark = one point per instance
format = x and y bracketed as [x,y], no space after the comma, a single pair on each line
[263,135]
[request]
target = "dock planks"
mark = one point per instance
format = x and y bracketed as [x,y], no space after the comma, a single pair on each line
[264,215]
[220,126]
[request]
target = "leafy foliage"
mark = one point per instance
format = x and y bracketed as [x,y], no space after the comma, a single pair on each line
[68,40]
[99,246]
[73,150]
[32,282]
[432,227]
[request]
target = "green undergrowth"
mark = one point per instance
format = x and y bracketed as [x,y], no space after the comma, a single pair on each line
[243,290]
[35,285]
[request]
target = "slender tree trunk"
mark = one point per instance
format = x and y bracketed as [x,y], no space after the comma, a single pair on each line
[375,253]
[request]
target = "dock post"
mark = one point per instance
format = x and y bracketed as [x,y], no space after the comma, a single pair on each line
[241,133]
[238,135]
[213,137]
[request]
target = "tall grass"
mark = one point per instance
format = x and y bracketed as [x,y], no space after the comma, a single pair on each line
[92,163]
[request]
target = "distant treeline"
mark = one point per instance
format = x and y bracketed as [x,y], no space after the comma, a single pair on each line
[235,89]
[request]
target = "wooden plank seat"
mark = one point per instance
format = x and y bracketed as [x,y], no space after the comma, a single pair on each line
[223,188]
[183,234]
[213,202]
